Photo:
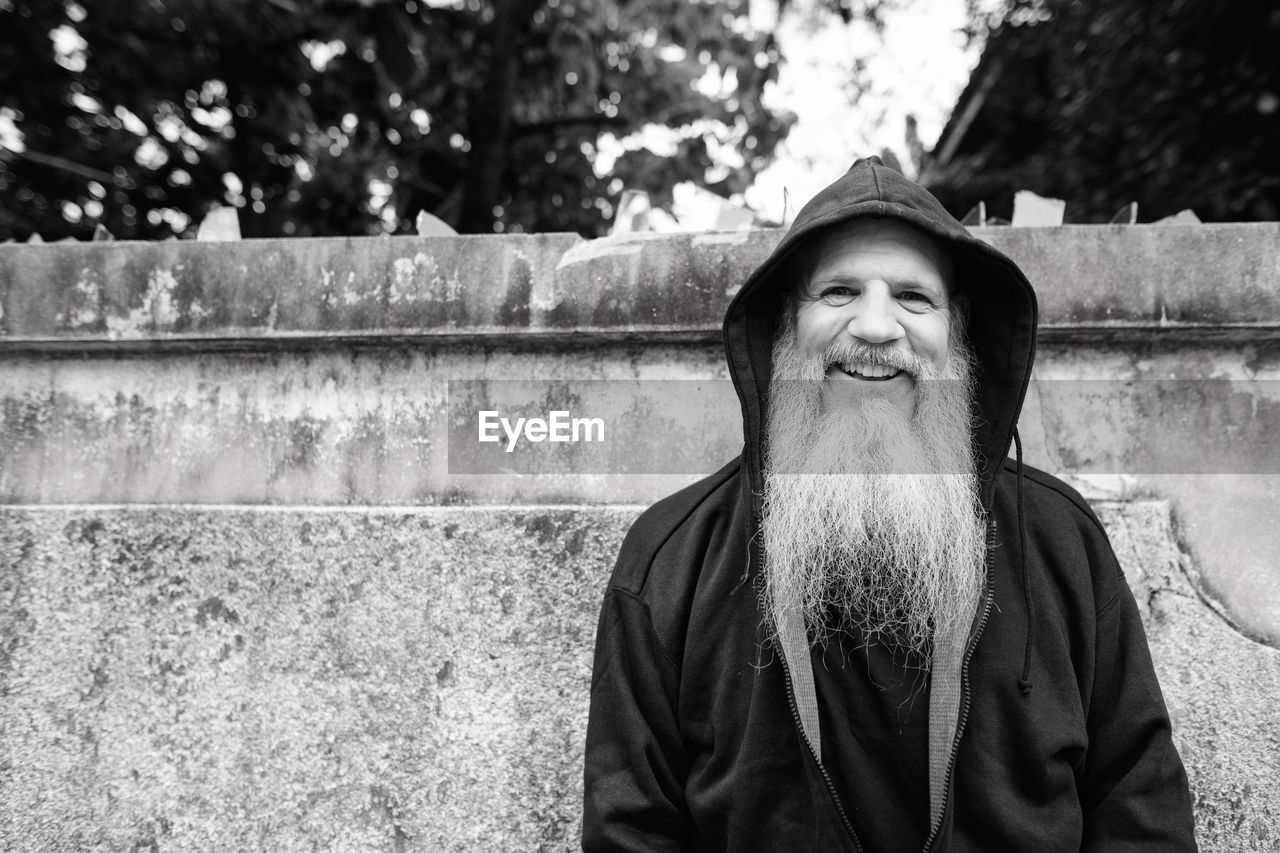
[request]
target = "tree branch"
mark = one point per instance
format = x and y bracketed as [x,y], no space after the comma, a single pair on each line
[673,120]
[62,164]
[489,116]
[533,127]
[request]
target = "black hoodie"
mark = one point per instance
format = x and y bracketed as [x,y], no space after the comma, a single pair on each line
[1047,732]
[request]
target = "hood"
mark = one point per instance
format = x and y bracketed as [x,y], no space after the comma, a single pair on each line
[1001,327]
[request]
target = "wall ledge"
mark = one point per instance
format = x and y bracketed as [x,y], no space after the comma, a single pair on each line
[545,340]
[1090,280]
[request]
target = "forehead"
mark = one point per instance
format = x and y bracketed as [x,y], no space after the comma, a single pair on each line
[873,248]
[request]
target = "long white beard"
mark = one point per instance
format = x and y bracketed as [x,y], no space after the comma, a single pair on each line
[872,521]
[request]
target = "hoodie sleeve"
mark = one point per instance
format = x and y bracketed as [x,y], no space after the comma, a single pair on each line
[1134,795]
[635,761]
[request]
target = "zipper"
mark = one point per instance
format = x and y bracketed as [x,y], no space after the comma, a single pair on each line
[965,697]
[795,719]
[962,721]
[758,583]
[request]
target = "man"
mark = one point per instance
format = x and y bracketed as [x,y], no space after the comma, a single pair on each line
[872,631]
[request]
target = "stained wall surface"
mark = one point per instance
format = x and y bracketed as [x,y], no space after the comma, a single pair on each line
[260,582]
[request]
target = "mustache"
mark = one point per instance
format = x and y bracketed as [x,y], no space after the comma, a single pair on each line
[881,355]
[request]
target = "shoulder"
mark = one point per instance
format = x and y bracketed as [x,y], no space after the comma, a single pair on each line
[676,530]
[1050,499]
[1064,535]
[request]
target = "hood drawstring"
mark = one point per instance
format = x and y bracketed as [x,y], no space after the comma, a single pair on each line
[1025,681]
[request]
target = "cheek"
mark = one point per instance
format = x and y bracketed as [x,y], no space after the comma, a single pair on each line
[933,337]
[941,331]
[812,332]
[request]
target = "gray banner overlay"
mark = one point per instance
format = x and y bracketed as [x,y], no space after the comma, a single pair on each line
[679,426]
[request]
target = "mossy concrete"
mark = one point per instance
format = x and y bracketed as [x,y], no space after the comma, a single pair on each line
[188,679]
[318,371]
[1221,687]
[191,680]
[1085,275]
[1196,422]
[263,650]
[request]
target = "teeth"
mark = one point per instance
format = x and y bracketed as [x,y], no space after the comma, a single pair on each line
[871,371]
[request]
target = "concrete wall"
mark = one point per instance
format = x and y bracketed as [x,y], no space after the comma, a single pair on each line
[197,679]
[253,589]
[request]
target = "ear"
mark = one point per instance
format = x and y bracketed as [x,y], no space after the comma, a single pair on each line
[960,304]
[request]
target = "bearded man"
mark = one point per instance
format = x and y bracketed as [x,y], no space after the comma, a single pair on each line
[871,631]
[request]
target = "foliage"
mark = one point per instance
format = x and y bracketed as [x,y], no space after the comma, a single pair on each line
[338,117]
[1100,102]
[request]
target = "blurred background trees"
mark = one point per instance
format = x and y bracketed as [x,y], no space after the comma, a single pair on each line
[319,117]
[347,117]
[1173,105]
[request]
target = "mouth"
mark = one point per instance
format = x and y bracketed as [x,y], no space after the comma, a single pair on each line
[867,371]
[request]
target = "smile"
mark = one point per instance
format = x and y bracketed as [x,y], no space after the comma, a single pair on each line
[868,372]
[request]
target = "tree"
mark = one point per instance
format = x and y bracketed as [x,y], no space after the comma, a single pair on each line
[320,117]
[1101,102]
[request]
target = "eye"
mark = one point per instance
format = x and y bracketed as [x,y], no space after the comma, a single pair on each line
[915,296]
[838,294]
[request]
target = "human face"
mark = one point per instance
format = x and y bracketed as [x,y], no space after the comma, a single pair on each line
[877,310]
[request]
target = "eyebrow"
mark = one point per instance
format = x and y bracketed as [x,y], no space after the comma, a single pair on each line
[901,281]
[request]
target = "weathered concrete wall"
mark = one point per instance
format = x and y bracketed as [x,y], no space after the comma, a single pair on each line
[183,679]
[316,371]
[1221,687]
[308,669]
[1102,277]
[188,679]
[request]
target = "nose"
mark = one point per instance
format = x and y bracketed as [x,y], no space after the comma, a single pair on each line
[874,320]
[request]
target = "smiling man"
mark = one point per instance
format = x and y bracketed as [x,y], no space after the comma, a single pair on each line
[872,631]
[878,302]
